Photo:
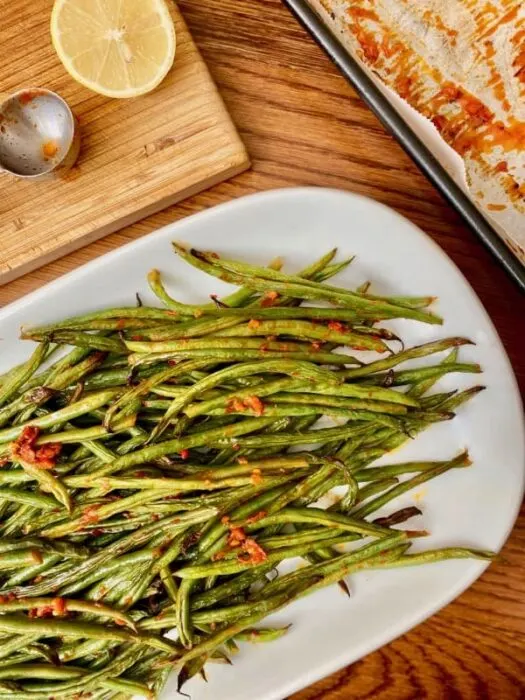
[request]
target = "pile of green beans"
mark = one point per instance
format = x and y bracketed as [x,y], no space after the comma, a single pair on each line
[158,463]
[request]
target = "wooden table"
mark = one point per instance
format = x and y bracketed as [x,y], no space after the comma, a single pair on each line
[304,125]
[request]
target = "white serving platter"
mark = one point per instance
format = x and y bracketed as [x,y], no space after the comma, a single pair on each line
[474,507]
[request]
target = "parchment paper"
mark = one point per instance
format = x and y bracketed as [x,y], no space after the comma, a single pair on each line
[455,69]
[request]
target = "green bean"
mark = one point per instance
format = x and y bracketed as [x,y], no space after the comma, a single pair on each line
[173,486]
[436,555]
[25,372]
[36,650]
[44,671]
[196,329]
[23,557]
[64,605]
[78,339]
[238,298]
[127,688]
[339,402]
[308,330]
[261,636]
[213,344]
[275,313]
[458,462]
[320,267]
[6,376]
[47,482]
[297,461]
[317,534]
[322,264]
[10,545]
[371,489]
[320,517]
[123,312]
[107,570]
[28,497]
[211,543]
[320,436]
[62,415]
[169,583]
[371,393]
[73,367]
[114,324]
[420,388]
[65,363]
[18,520]
[82,630]
[232,338]
[220,592]
[436,401]
[289,285]
[276,275]
[410,354]
[242,355]
[272,410]
[204,617]
[462,397]
[80,650]
[387,470]
[16,643]
[83,435]
[108,378]
[183,619]
[413,376]
[31,572]
[190,669]
[330,270]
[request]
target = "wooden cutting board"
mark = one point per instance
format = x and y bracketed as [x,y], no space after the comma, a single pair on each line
[138,156]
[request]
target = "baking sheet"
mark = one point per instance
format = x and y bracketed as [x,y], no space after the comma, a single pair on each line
[417,136]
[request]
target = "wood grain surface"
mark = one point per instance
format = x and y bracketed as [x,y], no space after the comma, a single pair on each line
[304,125]
[137,157]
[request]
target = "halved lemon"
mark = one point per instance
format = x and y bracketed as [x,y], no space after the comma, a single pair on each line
[118,48]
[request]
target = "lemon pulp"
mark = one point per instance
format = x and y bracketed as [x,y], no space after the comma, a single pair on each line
[118,48]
